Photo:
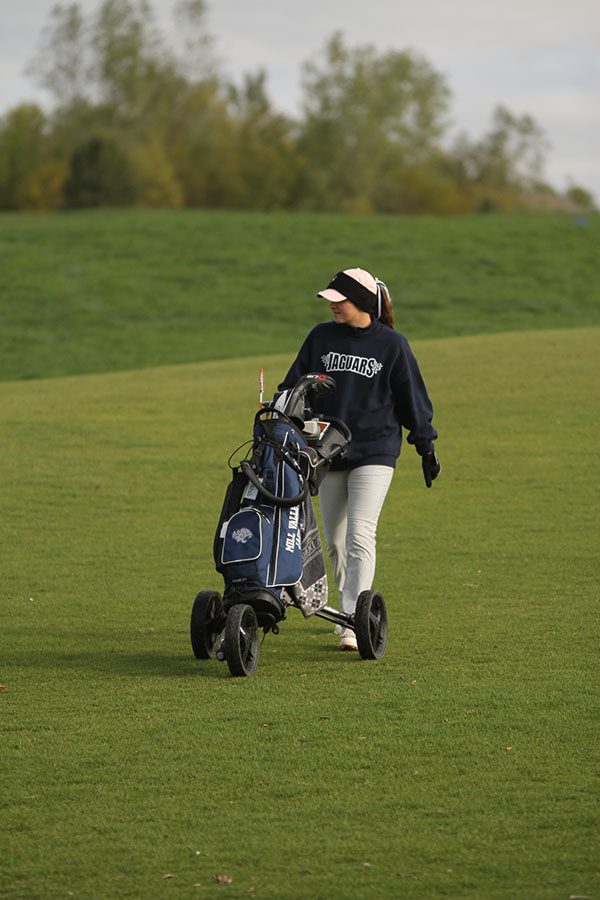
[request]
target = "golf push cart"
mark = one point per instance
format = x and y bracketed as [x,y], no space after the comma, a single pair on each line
[267,545]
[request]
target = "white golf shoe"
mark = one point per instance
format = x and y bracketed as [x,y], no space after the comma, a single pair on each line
[347,640]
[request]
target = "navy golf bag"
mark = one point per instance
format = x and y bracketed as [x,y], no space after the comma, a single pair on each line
[267,545]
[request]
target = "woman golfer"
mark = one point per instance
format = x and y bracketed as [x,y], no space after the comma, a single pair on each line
[379,391]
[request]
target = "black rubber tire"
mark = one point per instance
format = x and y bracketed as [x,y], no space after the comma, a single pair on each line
[242,642]
[206,624]
[371,625]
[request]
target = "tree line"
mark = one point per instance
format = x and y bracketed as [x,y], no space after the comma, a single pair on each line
[143,118]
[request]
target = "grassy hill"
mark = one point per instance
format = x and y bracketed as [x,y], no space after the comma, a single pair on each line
[104,291]
[461,765]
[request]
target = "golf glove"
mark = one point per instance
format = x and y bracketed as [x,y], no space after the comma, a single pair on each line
[431,467]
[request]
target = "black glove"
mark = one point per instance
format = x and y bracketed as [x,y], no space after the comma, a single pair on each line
[431,467]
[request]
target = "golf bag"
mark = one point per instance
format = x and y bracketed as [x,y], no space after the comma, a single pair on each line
[267,545]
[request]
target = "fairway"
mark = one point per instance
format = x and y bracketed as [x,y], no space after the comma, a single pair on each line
[462,765]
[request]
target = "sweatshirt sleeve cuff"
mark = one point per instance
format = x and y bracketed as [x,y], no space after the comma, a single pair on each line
[424,449]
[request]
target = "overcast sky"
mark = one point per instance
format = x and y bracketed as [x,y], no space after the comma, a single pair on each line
[540,57]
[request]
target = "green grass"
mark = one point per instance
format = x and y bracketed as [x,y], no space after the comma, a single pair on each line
[104,291]
[462,765]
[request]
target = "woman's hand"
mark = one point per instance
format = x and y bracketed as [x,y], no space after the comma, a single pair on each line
[431,467]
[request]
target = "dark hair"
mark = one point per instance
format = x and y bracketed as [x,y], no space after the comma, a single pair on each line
[387,314]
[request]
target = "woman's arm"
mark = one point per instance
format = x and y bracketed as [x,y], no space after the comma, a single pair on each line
[411,400]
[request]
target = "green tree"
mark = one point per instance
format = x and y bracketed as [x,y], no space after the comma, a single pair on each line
[134,75]
[364,110]
[510,156]
[200,146]
[113,74]
[156,182]
[62,64]
[194,50]
[580,198]
[100,174]
[264,146]
[116,59]
[22,150]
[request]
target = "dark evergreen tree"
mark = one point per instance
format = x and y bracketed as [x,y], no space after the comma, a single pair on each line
[100,174]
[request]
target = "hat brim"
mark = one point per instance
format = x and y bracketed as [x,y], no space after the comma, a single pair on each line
[332,295]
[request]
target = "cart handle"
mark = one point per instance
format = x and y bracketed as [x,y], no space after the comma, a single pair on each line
[272,498]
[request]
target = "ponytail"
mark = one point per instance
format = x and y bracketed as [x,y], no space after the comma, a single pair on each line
[384,305]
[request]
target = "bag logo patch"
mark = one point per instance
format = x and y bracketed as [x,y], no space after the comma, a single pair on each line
[242,535]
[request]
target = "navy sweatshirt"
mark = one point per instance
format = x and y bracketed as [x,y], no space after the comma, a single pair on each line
[379,390]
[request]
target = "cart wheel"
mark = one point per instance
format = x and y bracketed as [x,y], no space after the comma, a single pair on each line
[206,624]
[241,640]
[370,625]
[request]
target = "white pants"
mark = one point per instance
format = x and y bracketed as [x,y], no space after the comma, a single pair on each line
[351,502]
